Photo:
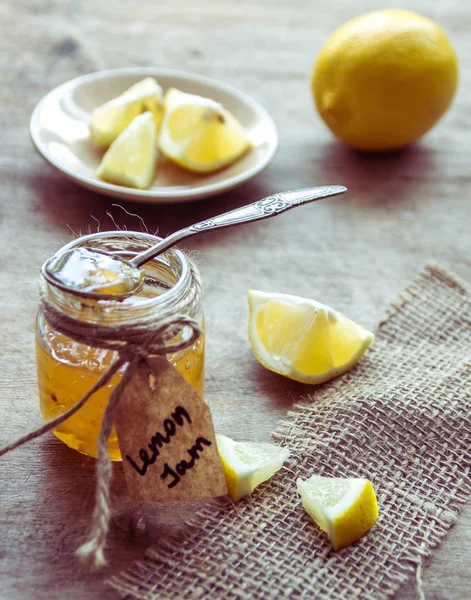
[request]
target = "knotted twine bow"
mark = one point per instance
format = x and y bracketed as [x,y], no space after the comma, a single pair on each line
[133,343]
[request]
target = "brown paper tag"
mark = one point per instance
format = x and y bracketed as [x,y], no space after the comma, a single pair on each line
[166,436]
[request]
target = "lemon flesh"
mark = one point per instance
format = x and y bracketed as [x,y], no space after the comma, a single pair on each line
[110,119]
[247,464]
[383,79]
[303,339]
[345,509]
[199,134]
[131,160]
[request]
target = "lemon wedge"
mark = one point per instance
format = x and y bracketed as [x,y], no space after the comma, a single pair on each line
[110,119]
[345,509]
[199,134]
[131,159]
[247,464]
[303,339]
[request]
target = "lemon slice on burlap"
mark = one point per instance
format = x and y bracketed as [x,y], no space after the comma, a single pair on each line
[200,134]
[112,118]
[131,159]
[345,509]
[303,339]
[248,464]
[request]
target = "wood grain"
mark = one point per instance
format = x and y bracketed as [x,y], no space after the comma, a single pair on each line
[354,252]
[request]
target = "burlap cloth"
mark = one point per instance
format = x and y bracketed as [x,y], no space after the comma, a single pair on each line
[400,418]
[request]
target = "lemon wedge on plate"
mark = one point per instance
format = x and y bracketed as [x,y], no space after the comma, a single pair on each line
[200,134]
[345,509]
[248,464]
[303,339]
[110,119]
[131,159]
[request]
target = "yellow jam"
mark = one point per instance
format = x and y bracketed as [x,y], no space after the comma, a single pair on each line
[67,370]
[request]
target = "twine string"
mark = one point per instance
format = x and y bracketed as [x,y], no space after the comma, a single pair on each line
[92,551]
[419,580]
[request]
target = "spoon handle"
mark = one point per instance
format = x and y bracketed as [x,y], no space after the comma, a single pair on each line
[261,209]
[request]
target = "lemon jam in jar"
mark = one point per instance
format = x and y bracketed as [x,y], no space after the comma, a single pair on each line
[67,370]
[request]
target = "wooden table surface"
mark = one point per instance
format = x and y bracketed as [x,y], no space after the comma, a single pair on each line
[354,252]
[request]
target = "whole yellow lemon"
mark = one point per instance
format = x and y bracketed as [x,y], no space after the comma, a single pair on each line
[385,78]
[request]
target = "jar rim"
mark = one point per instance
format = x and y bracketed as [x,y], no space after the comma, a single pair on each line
[167,297]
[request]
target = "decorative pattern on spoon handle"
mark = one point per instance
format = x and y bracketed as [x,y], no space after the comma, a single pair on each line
[268,207]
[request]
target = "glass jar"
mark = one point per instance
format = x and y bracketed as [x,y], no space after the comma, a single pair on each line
[67,369]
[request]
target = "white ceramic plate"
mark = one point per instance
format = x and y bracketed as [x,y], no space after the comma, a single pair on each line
[59,131]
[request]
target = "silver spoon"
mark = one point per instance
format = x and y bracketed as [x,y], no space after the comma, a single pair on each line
[262,209]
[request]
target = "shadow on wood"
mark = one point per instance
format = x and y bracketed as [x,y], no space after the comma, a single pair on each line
[389,179]
[81,211]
